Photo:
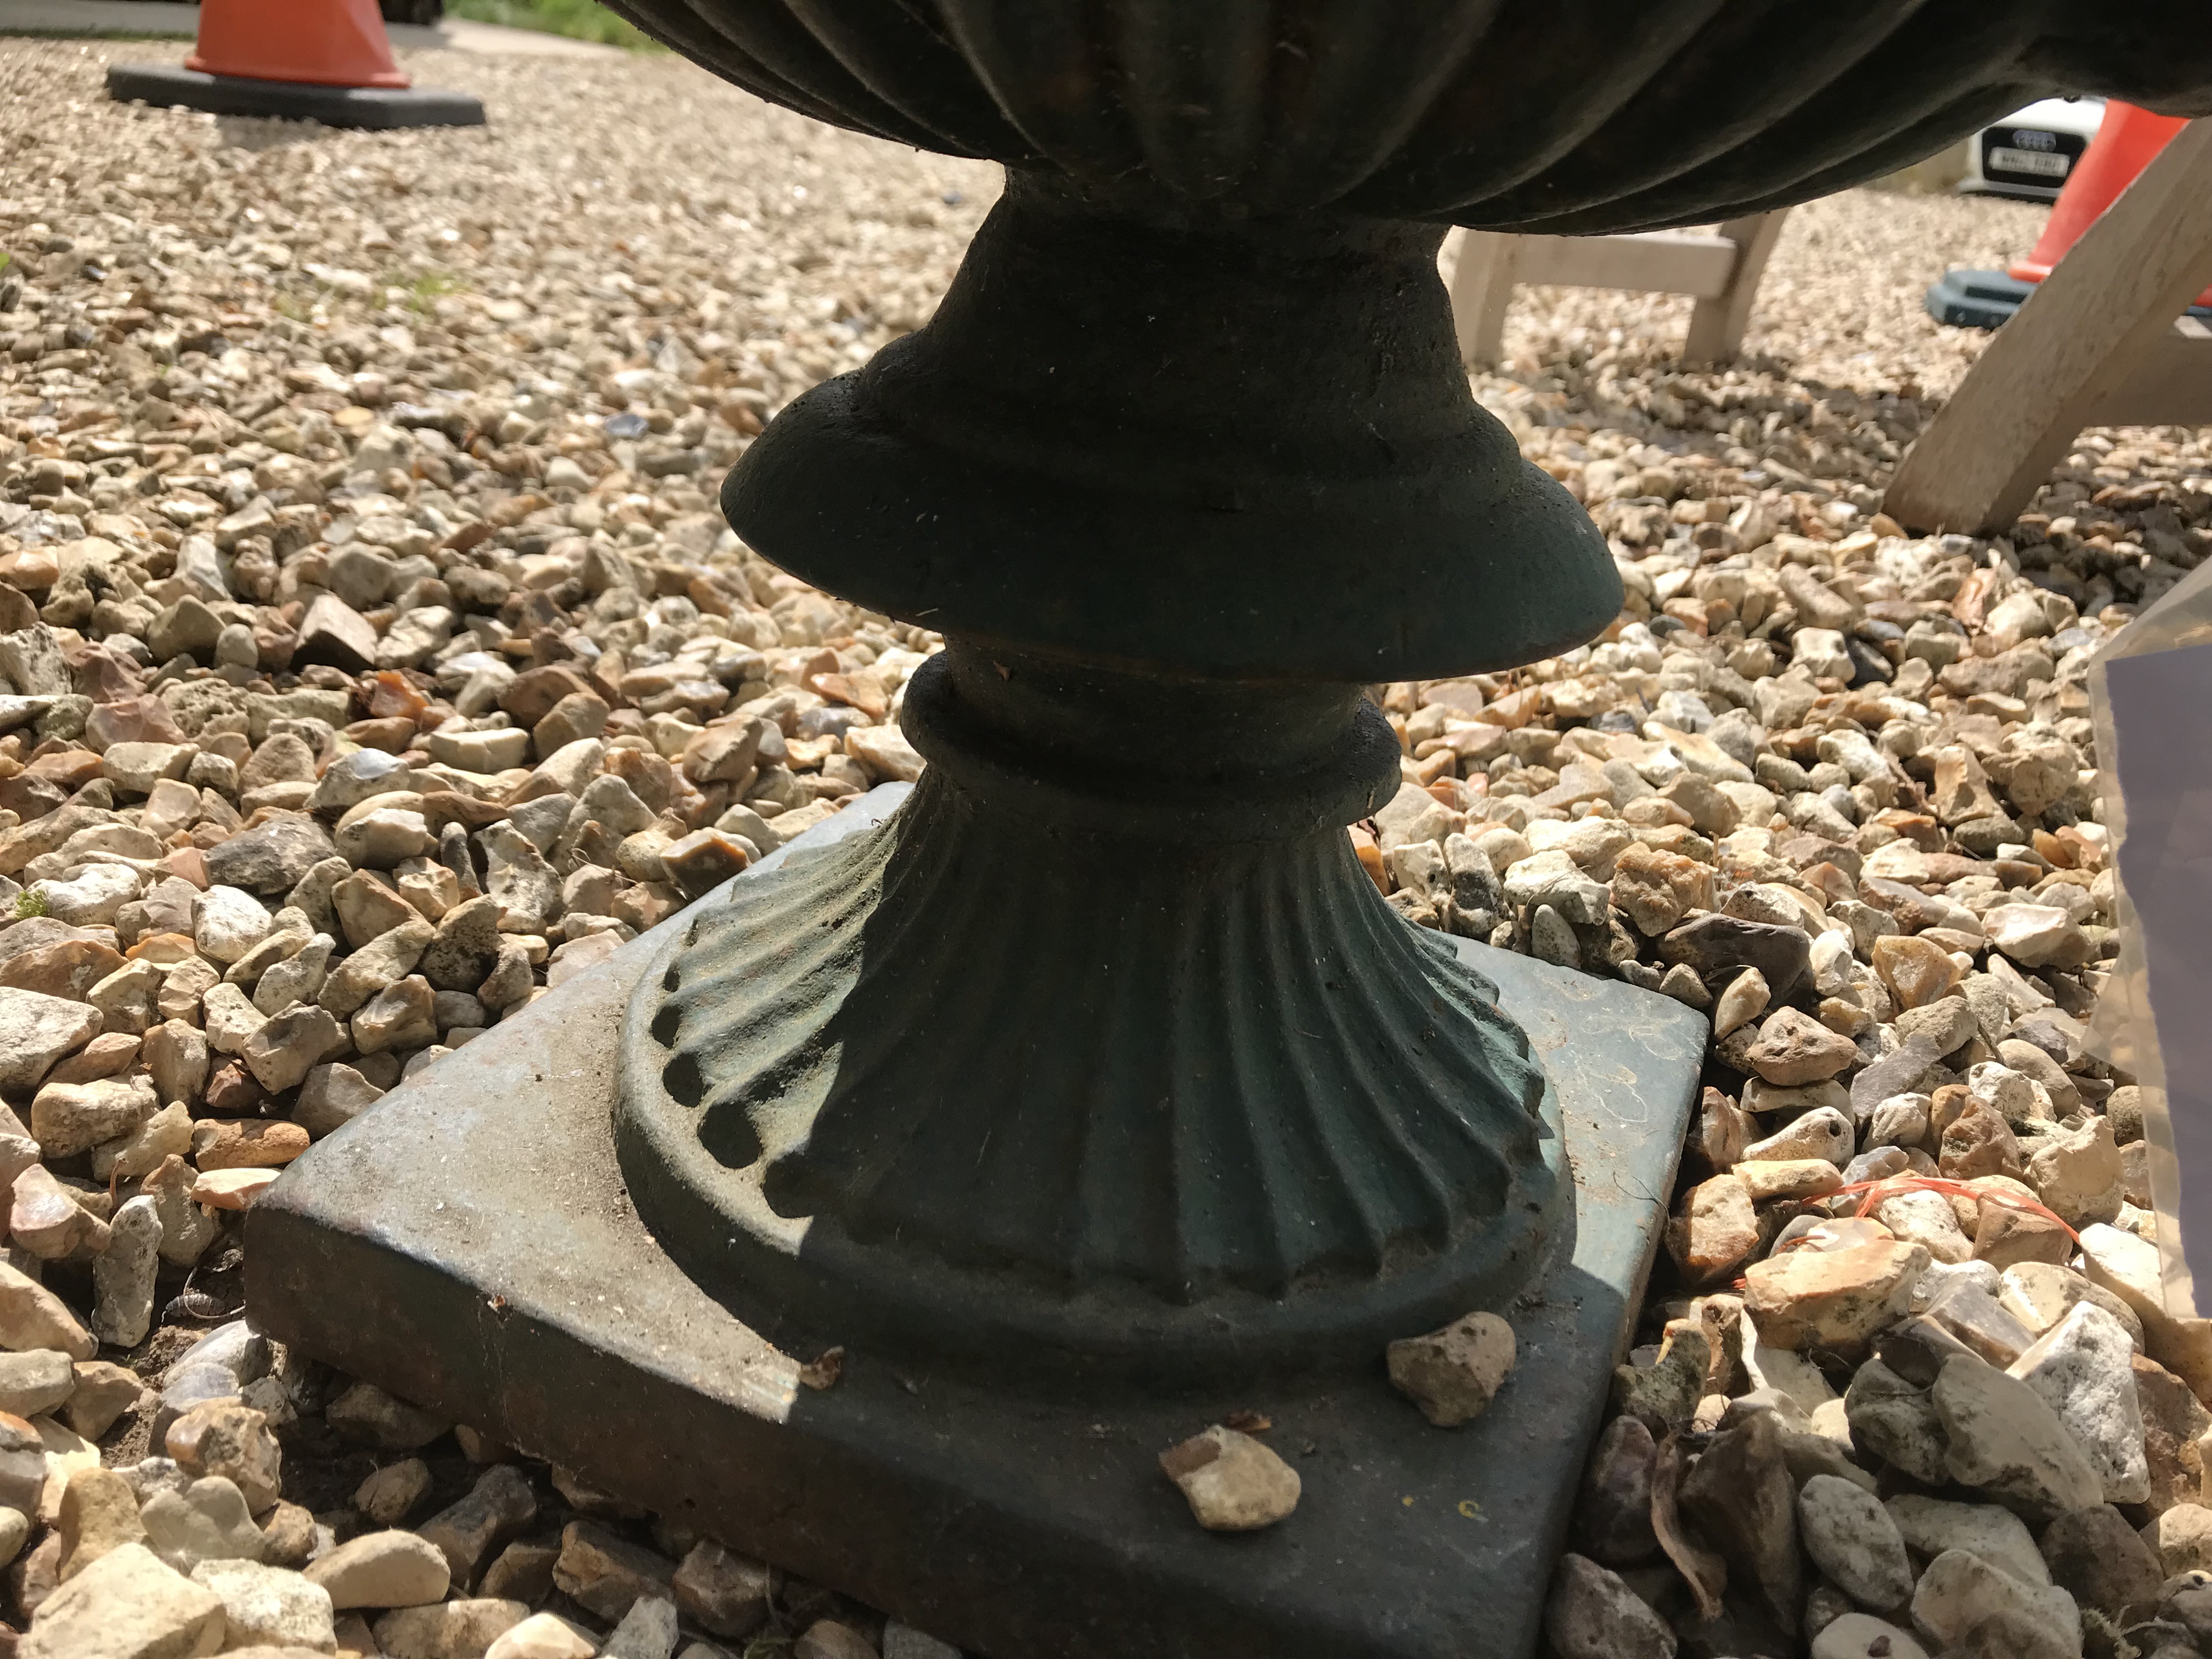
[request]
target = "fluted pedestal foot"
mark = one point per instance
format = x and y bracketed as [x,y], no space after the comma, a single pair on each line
[1116,1066]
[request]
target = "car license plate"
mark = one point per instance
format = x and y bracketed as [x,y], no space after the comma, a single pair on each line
[2048,164]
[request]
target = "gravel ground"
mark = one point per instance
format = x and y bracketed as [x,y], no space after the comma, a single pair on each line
[374,659]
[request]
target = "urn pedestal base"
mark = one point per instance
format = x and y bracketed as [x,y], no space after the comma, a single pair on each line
[469,1245]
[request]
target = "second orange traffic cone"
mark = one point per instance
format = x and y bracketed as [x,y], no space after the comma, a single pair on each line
[315,60]
[334,43]
[2128,140]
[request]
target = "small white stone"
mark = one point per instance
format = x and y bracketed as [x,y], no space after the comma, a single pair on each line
[448,1628]
[493,751]
[2039,1294]
[1592,1614]
[127,1601]
[90,897]
[2082,1368]
[383,1569]
[1943,1276]
[207,1521]
[1927,1219]
[647,1630]
[1959,1591]
[1929,1526]
[2004,1438]
[1852,1539]
[291,1044]
[231,1019]
[269,1607]
[123,1275]
[542,1636]
[1232,1482]
[1744,1000]
[387,835]
[1454,1374]
[36,1030]
[14,1532]
[35,1382]
[387,1496]
[2035,935]
[1823,1133]
[32,1316]
[2078,1175]
[227,922]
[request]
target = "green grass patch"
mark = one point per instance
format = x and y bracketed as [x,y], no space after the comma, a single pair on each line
[579,20]
[432,286]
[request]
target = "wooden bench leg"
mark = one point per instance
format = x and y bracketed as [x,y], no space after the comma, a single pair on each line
[1482,287]
[2073,352]
[1717,326]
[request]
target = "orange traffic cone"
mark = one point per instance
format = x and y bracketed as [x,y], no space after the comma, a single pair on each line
[316,60]
[2127,140]
[338,43]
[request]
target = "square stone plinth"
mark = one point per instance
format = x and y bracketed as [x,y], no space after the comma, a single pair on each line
[468,1244]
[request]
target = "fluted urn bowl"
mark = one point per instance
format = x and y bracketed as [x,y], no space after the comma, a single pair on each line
[1104,1059]
[1564,116]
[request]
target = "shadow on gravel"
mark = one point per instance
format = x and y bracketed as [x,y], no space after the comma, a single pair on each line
[258,132]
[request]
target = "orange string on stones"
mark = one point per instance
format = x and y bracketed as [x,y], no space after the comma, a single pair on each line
[1891,1186]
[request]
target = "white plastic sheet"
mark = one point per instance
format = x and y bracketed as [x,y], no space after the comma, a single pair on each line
[2151,699]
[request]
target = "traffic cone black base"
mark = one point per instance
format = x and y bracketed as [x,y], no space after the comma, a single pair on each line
[1987,299]
[1975,299]
[378,108]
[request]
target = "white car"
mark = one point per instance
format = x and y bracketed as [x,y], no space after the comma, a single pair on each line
[2030,152]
